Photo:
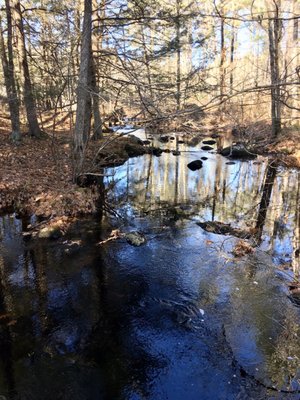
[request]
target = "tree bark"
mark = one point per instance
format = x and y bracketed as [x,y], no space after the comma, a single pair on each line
[178,51]
[223,56]
[83,112]
[232,48]
[30,106]
[9,76]
[97,129]
[97,37]
[274,39]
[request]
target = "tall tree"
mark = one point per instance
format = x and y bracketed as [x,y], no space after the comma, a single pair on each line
[274,32]
[9,75]
[83,112]
[29,100]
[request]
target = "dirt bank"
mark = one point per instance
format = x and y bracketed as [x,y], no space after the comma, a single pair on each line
[36,176]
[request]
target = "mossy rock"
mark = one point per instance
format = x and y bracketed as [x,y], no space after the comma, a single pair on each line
[135,238]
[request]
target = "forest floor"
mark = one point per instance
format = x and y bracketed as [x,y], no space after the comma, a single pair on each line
[285,149]
[36,176]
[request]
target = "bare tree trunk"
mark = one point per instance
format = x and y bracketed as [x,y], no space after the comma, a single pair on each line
[232,48]
[83,112]
[29,100]
[274,39]
[223,56]
[178,50]
[98,134]
[97,37]
[9,76]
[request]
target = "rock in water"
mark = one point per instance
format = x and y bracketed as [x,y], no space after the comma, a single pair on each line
[164,139]
[204,158]
[135,238]
[176,153]
[210,142]
[155,151]
[238,151]
[194,165]
[206,148]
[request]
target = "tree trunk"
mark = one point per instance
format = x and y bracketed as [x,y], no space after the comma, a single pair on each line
[9,76]
[232,48]
[178,51]
[274,39]
[223,56]
[30,106]
[83,112]
[97,37]
[97,131]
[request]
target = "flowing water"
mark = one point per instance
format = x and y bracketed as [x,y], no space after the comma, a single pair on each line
[177,318]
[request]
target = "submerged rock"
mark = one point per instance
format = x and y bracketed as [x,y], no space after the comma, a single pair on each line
[135,238]
[204,158]
[238,151]
[194,165]
[230,163]
[210,142]
[164,139]
[206,148]
[176,153]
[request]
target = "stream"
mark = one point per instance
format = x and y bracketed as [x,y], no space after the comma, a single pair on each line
[177,318]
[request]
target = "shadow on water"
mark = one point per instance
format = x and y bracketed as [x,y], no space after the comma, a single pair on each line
[176,318]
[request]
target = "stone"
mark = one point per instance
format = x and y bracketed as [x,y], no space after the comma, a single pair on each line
[194,165]
[176,153]
[237,151]
[210,142]
[164,139]
[204,158]
[230,163]
[155,151]
[146,142]
[135,238]
[206,148]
